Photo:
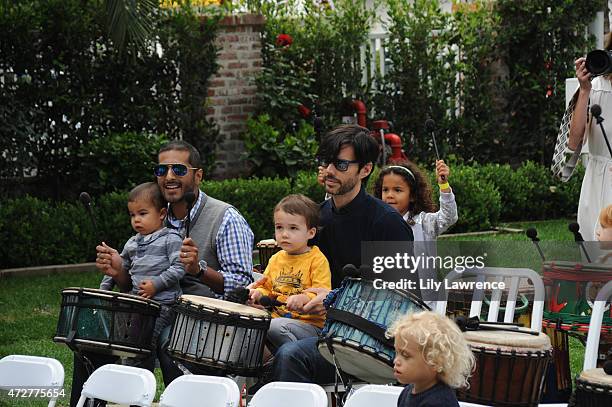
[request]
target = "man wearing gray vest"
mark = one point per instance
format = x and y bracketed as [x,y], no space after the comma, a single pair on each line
[217,255]
[218,252]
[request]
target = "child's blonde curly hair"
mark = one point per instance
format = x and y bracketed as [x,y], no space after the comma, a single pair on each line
[605,216]
[442,343]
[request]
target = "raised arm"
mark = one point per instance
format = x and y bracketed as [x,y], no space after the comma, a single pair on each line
[579,118]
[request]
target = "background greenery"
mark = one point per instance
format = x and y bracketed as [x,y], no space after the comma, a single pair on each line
[34,228]
[491,74]
[63,85]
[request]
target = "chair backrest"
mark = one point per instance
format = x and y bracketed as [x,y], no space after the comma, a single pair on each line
[22,371]
[120,384]
[375,395]
[592,345]
[283,394]
[197,390]
[511,278]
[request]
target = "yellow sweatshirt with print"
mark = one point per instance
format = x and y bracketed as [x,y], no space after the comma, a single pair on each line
[291,274]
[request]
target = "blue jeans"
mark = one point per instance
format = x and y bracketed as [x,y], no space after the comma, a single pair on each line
[301,361]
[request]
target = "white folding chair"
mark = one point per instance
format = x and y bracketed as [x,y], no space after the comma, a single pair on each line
[32,372]
[283,394]
[375,395]
[511,277]
[120,384]
[198,390]
[599,308]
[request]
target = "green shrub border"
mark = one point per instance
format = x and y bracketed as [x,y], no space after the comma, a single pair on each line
[39,232]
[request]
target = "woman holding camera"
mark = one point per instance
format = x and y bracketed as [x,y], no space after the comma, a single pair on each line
[596,191]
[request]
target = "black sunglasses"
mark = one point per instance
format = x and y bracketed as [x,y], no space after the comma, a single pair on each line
[180,170]
[341,165]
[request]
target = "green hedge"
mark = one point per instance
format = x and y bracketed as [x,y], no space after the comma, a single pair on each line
[40,232]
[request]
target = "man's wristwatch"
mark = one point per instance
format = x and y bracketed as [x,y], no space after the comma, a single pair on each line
[203,267]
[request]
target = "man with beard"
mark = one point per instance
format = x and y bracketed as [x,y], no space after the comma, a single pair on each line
[351,216]
[217,255]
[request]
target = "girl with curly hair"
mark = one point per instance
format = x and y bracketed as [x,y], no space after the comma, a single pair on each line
[406,188]
[432,357]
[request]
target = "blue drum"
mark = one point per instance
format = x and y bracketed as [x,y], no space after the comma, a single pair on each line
[354,331]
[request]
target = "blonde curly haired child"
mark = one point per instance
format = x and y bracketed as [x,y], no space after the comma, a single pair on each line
[604,234]
[432,358]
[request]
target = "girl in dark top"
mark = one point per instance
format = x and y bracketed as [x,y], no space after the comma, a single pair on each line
[432,358]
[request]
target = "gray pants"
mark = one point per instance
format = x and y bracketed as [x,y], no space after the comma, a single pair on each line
[283,330]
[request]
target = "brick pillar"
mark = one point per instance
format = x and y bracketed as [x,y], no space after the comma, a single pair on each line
[232,90]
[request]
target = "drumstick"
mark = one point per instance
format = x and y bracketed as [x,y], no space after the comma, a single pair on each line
[85,198]
[270,302]
[474,324]
[430,125]
[189,198]
[461,321]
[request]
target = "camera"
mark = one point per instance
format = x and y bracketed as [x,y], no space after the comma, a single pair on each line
[599,62]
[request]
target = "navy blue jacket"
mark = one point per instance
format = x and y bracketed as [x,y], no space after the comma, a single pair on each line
[365,218]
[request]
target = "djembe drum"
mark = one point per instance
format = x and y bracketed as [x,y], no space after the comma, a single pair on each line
[593,389]
[354,331]
[510,368]
[225,336]
[570,288]
[267,248]
[106,322]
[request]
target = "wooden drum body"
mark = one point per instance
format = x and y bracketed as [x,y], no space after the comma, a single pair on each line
[223,335]
[593,389]
[510,368]
[106,322]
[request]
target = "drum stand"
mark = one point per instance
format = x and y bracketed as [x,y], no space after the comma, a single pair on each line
[347,384]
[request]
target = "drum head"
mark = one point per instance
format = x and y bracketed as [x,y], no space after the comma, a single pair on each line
[596,376]
[224,306]
[359,363]
[508,341]
[95,292]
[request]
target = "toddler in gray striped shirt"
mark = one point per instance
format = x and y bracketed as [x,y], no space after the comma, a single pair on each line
[150,259]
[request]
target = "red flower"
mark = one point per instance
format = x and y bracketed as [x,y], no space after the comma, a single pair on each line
[283,40]
[304,111]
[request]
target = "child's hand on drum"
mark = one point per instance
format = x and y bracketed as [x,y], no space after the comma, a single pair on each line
[296,302]
[146,289]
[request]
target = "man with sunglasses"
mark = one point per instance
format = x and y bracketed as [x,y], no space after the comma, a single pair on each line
[218,253]
[351,216]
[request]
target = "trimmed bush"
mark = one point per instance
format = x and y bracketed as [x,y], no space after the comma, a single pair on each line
[40,232]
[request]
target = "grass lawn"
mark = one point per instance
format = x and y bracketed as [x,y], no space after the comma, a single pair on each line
[30,308]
